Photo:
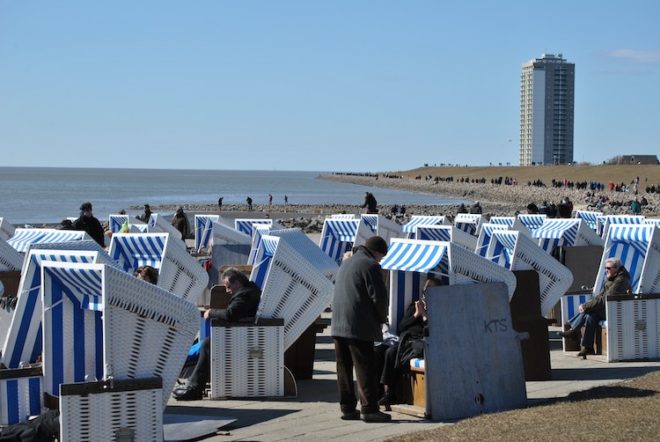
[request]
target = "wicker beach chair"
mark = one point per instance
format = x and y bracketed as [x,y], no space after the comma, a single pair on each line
[484,237]
[246,225]
[417,220]
[652,221]
[229,246]
[572,232]
[204,231]
[10,259]
[515,251]
[446,233]
[24,237]
[101,323]
[178,272]
[159,223]
[343,216]
[299,241]
[591,218]
[528,223]
[338,236]
[410,260]
[469,222]
[503,220]
[6,229]
[371,225]
[603,223]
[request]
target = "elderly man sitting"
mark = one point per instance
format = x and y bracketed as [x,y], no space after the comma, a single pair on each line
[592,312]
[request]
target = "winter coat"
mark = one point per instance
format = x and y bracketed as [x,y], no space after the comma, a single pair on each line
[92,226]
[242,304]
[619,284]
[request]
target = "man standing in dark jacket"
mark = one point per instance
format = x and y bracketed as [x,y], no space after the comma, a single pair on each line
[180,222]
[592,312]
[359,308]
[242,304]
[88,222]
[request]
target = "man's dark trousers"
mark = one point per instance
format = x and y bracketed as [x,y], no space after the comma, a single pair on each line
[359,354]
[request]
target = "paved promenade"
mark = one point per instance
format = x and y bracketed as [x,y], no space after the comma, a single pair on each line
[314,414]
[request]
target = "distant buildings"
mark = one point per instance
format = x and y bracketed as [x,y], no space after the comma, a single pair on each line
[547,90]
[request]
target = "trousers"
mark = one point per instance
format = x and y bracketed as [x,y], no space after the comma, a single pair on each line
[358,354]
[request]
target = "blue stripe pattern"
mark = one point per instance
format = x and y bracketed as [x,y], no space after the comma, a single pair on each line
[630,244]
[263,258]
[116,222]
[591,218]
[247,225]
[338,236]
[133,250]
[433,233]
[418,220]
[502,220]
[503,245]
[531,221]
[485,235]
[414,257]
[203,229]
[557,232]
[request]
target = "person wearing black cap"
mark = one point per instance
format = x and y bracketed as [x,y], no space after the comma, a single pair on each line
[359,307]
[87,222]
[146,215]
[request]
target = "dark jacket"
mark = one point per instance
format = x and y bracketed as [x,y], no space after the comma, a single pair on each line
[370,203]
[92,226]
[620,283]
[243,304]
[180,222]
[360,302]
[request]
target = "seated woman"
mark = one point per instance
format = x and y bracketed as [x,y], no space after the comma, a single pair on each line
[411,345]
[592,312]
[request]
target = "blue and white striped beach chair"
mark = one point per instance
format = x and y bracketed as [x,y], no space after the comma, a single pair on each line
[229,246]
[24,338]
[502,220]
[468,222]
[116,222]
[6,229]
[178,272]
[10,258]
[100,322]
[246,225]
[24,237]
[591,218]
[484,237]
[371,225]
[446,233]
[417,220]
[528,223]
[409,260]
[569,232]
[204,230]
[20,395]
[604,222]
[293,289]
[515,251]
[653,222]
[258,231]
[338,236]
[343,216]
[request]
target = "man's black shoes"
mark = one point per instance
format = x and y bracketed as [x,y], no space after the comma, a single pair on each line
[188,394]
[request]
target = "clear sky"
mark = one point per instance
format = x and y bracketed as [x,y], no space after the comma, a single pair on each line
[314,85]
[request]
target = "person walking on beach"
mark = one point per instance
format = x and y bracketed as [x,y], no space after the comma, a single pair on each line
[286,200]
[370,203]
[270,199]
[88,223]
[220,203]
[180,222]
[359,307]
[248,200]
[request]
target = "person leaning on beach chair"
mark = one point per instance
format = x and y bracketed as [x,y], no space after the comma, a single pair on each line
[245,296]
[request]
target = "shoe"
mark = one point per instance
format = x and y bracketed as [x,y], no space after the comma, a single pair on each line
[351,415]
[377,416]
[386,401]
[188,394]
[586,351]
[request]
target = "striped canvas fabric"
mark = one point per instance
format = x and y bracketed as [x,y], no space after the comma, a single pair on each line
[427,220]
[446,233]
[338,236]
[343,216]
[24,338]
[24,237]
[468,222]
[554,233]
[264,255]
[258,231]
[116,222]
[371,225]
[20,398]
[529,221]
[484,237]
[247,225]
[503,220]
[204,230]
[591,218]
[133,250]
[604,222]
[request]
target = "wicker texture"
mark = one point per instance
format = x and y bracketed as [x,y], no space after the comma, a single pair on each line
[248,361]
[293,290]
[516,251]
[10,259]
[6,229]
[633,329]
[298,240]
[20,397]
[97,417]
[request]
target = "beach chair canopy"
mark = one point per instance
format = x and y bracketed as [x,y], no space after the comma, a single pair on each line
[503,220]
[258,231]
[570,232]
[514,250]
[427,220]
[293,289]
[604,222]
[246,225]
[10,259]
[178,272]
[468,222]
[591,218]
[338,236]
[299,241]
[446,233]
[204,230]
[371,225]
[409,261]
[229,246]
[638,248]
[343,216]
[652,221]
[6,229]
[484,237]
[24,237]
[528,223]
[102,323]
[23,342]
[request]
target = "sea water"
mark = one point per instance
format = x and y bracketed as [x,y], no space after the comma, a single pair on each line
[48,195]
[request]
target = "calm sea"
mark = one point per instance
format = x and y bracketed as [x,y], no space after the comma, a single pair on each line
[46,195]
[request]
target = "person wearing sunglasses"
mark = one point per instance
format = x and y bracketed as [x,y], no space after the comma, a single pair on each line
[593,311]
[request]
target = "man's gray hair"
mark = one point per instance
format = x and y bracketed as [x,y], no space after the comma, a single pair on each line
[233,274]
[614,262]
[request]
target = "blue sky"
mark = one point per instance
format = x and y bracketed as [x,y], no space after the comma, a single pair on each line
[310,85]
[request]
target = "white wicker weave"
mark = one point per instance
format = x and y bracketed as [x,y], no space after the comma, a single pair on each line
[6,229]
[633,328]
[293,290]
[20,394]
[146,331]
[104,411]
[247,359]
[297,239]
[371,225]
[10,259]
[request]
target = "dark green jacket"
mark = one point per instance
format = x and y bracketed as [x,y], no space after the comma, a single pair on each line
[619,284]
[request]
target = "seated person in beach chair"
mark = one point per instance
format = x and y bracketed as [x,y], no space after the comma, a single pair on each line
[592,312]
[245,296]
[396,358]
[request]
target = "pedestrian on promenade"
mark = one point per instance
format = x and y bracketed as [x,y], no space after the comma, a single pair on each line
[220,203]
[248,200]
[359,308]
